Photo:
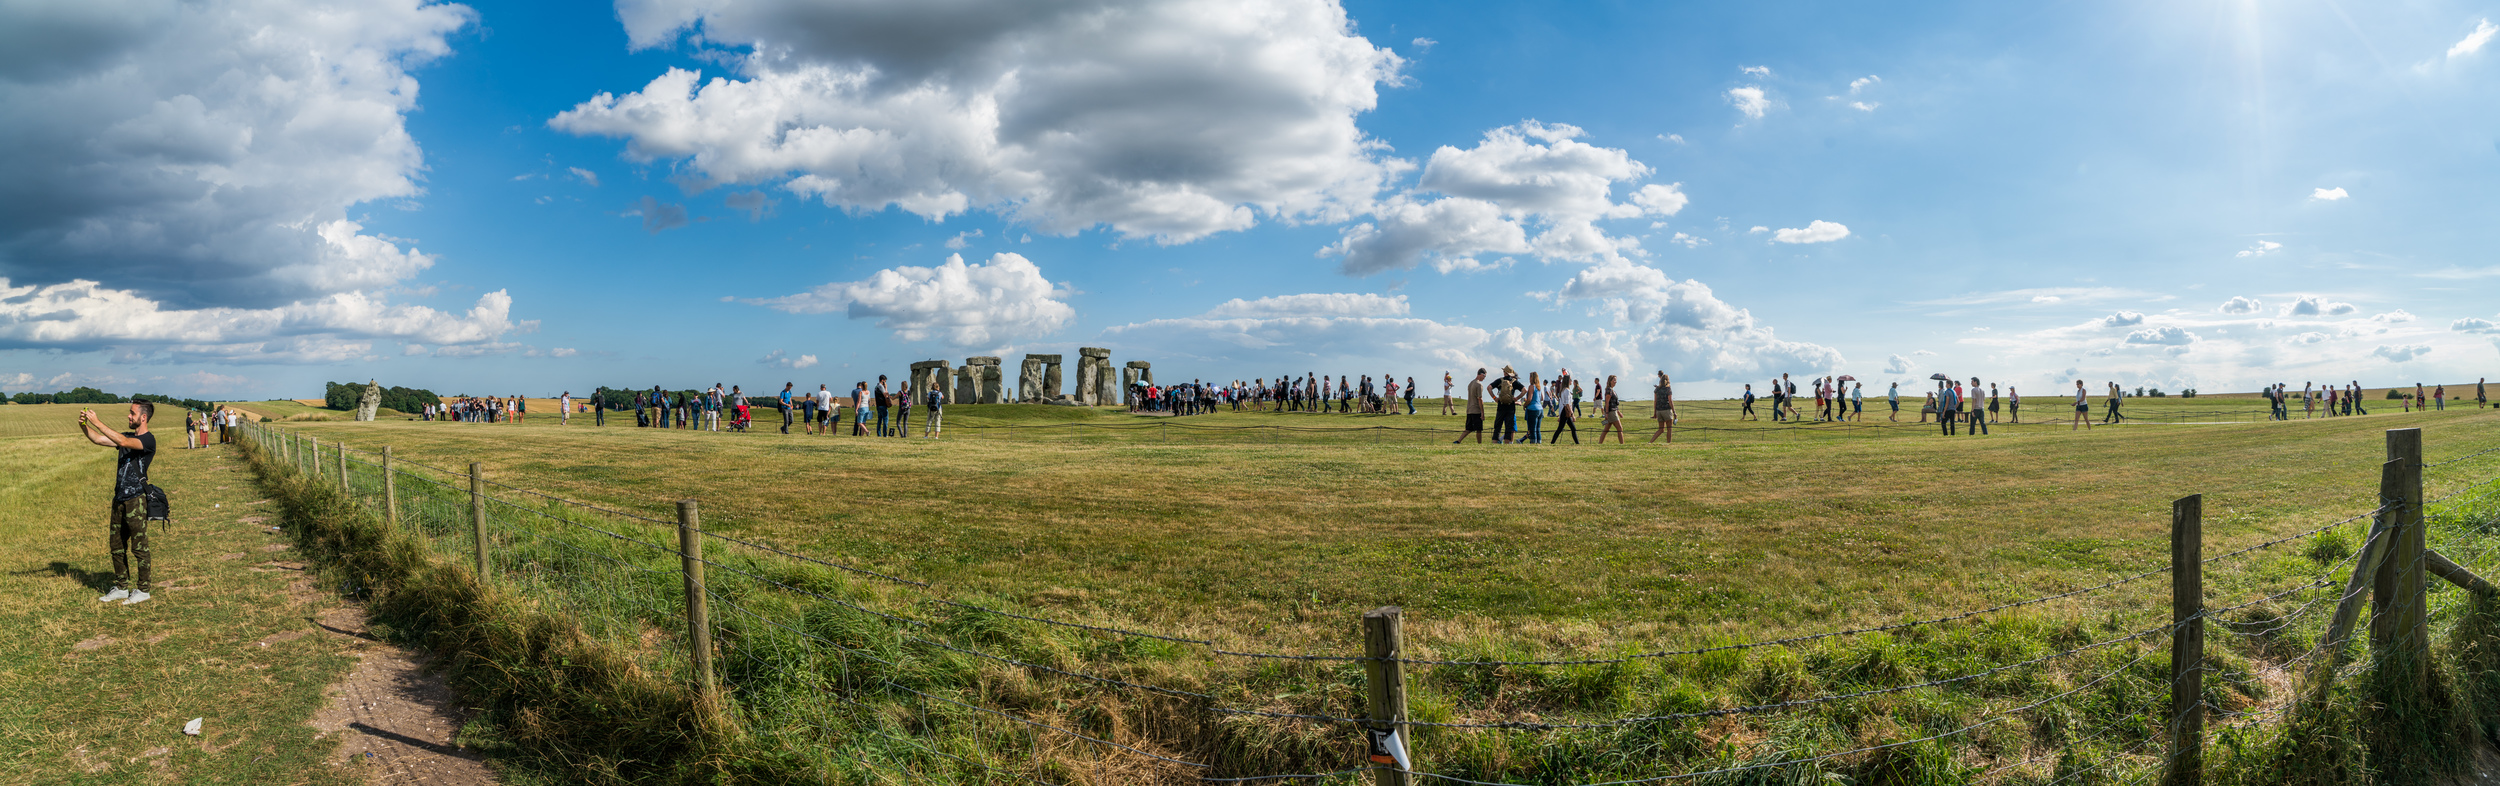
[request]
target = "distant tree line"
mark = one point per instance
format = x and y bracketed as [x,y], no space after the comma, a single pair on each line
[88,395]
[345,395]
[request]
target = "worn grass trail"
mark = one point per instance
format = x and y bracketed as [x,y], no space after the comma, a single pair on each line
[98,693]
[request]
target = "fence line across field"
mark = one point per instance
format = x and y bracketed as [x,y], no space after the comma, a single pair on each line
[2391,559]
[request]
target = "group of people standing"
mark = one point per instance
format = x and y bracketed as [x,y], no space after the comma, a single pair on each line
[1836,398]
[477,409]
[1511,398]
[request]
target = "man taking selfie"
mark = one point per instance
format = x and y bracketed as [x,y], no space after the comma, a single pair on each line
[129,522]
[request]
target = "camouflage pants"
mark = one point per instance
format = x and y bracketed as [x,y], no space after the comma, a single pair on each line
[129,528]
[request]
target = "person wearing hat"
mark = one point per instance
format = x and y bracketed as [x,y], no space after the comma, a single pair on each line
[1662,407]
[1506,407]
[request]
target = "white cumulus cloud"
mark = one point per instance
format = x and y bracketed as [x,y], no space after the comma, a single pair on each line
[2262,248]
[2400,352]
[2393,317]
[2474,325]
[1899,365]
[1819,231]
[86,315]
[2123,319]
[963,305]
[1749,101]
[1528,176]
[207,154]
[2328,194]
[1860,83]
[2474,41]
[2166,335]
[2241,305]
[781,359]
[585,175]
[1333,304]
[2314,306]
[1170,119]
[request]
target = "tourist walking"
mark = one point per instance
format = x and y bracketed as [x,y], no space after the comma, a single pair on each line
[2083,406]
[1410,395]
[1978,419]
[1662,409]
[937,412]
[1894,398]
[1506,407]
[1566,416]
[1747,412]
[1610,411]
[1475,409]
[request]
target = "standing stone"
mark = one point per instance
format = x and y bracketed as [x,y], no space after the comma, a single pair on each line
[1039,382]
[989,380]
[966,391]
[1128,386]
[1093,376]
[370,401]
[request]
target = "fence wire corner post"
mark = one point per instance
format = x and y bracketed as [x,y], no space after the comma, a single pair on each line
[2187,643]
[1384,647]
[698,608]
[477,517]
[390,490]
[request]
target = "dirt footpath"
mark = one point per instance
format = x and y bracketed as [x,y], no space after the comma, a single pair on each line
[394,720]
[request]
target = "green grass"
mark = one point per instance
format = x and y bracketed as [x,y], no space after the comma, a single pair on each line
[1496,552]
[111,711]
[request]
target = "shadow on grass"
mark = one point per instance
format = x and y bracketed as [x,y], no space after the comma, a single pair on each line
[100,582]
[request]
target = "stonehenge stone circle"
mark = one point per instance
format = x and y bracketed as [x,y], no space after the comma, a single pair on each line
[370,401]
[1137,372]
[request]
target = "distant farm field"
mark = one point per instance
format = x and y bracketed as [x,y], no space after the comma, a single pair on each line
[1281,527]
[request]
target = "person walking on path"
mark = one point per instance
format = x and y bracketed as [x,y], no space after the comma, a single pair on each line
[789,401]
[2355,397]
[598,410]
[2083,407]
[1949,407]
[937,411]
[2114,395]
[1996,401]
[127,524]
[1978,419]
[1475,409]
[1662,409]
[1445,394]
[1857,401]
[2013,405]
[564,409]
[1894,398]
[1534,403]
[1410,395]
[1566,416]
[2439,398]
[1610,411]
[2480,400]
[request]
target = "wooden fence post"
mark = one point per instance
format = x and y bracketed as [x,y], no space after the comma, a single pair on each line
[698,607]
[390,490]
[477,516]
[1384,643]
[2187,642]
[342,467]
[312,455]
[2408,612]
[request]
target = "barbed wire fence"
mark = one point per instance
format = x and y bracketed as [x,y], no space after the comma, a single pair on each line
[923,685]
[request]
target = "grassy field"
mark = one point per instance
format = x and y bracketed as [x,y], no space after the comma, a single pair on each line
[98,693]
[1273,532]
[1768,528]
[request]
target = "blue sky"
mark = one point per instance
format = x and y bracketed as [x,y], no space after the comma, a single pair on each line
[532,197]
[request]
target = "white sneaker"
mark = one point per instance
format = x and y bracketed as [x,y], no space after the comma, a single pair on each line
[118,593]
[136,597]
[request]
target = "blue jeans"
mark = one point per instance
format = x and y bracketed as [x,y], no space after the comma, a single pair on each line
[1536,422]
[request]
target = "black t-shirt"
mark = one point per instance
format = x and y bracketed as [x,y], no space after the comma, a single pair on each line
[130,473]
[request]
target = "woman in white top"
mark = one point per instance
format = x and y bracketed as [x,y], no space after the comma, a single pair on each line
[2083,407]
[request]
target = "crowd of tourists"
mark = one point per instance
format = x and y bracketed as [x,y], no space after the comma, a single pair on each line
[478,409]
[884,410]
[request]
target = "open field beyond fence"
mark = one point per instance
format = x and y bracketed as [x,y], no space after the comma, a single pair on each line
[1129,611]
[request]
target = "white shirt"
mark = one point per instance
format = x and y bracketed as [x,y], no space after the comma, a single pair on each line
[824,398]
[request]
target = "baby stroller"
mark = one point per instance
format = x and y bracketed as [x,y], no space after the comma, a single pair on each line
[740,419]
